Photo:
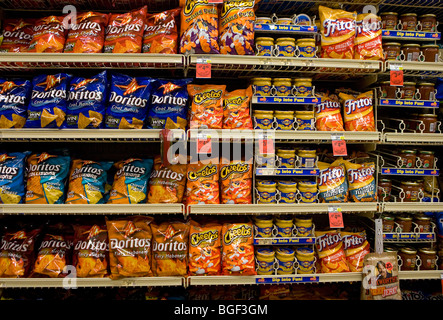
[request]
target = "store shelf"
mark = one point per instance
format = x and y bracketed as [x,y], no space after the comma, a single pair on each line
[408,103]
[412,206]
[409,237]
[413,68]
[410,35]
[413,138]
[420,275]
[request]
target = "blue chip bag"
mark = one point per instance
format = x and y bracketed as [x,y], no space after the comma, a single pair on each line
[14,96]
[168,108]
[87,102]
[128,102]
[47,108]
[12,176]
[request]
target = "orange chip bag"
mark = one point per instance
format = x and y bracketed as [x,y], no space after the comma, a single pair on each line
[238,249]
[204,248]
[328,113]
[356,248]
[130,246]
[17,35]
[49,35]
[202,183]
[170,248]
[87,35]
[359,111]
[124,33]
[236,182]
[368,45]
[330,250]
[161,32]
[337,33]
[236,113]
[206,110]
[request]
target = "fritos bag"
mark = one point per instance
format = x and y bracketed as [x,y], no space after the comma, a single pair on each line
[330,250]
[206,110]
[199,27]
[17,35]
[161,32]
[235,182]
[124,33]
[237,19]
[368,44]
[236,113]
[202,183]
[332,182]
[91,249]
[356,248]
[361,181]
[337,33]
[130,246]
[49,35]
[238,249]
[87,34]
[204,248]
[328,113]
[358,111]
[170,248]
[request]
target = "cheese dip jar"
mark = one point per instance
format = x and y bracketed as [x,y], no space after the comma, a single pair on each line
[285,47]
[264,45]
[262,86]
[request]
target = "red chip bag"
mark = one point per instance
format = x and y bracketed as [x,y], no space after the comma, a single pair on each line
[328,113]
[87,35]
[206,110]
[368,45]
[358,111]
[356,248]
[17,35]
[330,249]
[124,33]
[49,35]
[161,32]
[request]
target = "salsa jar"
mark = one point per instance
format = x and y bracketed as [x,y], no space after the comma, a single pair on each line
[392,50]
[426,90]
[427,159]
[411,190]
[404,223]
[430,52]
[430,122]
[384,189]
[423,222]
[389,20]
[428,22]
[408,157]
[388,91]
[408,91]
[428,257]
[388,222]
[408,257]
[408,21]
[411,51]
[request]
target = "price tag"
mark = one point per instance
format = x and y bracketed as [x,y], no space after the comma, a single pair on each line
[266,144]
[204,144]
[335,217]
[203,68]
[339,146]
[215,1]
[396,74]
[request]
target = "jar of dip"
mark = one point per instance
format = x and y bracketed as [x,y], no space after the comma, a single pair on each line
[388,223]
[411,51]
[303,87]
[409,158]
[408,91]
[263,226]
[307,158]
[284,119]
[282,87]
[411,190]
[389,20]
[305,120]
[404,223]
[428,257]
[285,258]
[267,191]
[308,191]
[426,90]
[388,91]
[265,261]
[408,257]
[306,48]
[430,122]
[427,159]
[265,160]
[285,47]
[430,52]
[392,50]
[423,222]
[306,260]
[264,119]
[286,158]
[288,191]
[284,225]
[384,190]
[262,86]
[428,22]
[265,46]
[408,21]
[303,226]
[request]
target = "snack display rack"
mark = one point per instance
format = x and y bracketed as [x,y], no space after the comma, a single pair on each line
[390,132]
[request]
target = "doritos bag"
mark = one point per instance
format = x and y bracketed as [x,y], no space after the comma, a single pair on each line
[167,182]
[328,113]
[90,251]
[169,101]
[358,111]
[46,178]
[87,34]
[47,108]
[237,19]
[161,32]
[236,114]
[235,182]
[356,247]
[130,246]
[205,249]
[238,249]
[14,99]
[87,180]
[202,183]
[128,102]
[337,33]
[170,248]
[49,35]
[12,177]
[362,187]
[330,251]
[199,27]
[17,35]
[206,110]
[131,181]
[124,33]
[332,182]
[87,99]
[368,45]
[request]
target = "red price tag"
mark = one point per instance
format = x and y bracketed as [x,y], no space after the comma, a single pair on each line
[335,218]
[215,1]
[204,145]
[266,146]
[203,70]
[339,147]
[396,75]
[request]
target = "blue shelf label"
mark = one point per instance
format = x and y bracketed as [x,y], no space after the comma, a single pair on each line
[286,172]
[411,34]
[284,241]
[409,236]
[409,103]
[292,100]
[410,172]
[287,279]
[284,28]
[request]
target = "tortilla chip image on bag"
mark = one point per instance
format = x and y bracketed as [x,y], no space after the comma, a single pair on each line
[328,113]
[236,113]
[170,248]
[356,248]
[48,35]
[17,35]
[358,111]
[161,32]
[14,99]
[206,111]
[12,177]
[330,251]
[235,182]
[202,183]
[332,182]
[368,42]
[130,242]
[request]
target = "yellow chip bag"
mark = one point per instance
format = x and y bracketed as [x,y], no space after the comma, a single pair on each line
[330,250]
[368,44]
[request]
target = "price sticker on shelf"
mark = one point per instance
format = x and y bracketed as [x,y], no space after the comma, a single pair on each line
[203,68]
[339,146]
[335,217]
[204,144]
[396,74]
[215,1]
[266,144]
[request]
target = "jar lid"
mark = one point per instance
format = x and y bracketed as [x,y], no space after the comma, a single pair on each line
[303,218]
[388,13]
[307,183]
[428,250]
[389,249]
[302,79]
[282,79]
[388,217]
[305,39]
[422,217]
[266,251]
[261,79]
[392,44]
[408,14]
[426,84]
[408,250]
[411,45]
[285,251]
[285,39]
[430,46]
[408,151]
[283,112]
[410,183]
[409,83]
[428,15]
[385,82]
[431,115]
[264,111]
[404,218]
[287,183]
[305,251]
[426,152]
[267,183]
[264,38]
[385,180]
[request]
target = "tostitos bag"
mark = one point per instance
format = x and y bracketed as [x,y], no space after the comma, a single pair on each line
[358,111]
[368,45]
[328,113]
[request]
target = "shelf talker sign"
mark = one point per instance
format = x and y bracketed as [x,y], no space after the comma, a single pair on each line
[203,68]
[396,74]
[335,217]
[339,145]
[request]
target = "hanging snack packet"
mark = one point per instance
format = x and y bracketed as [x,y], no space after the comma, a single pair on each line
[168,108]
[361,181]
[356,247]
[87,180]
[161,32]
[202,183]
[49,35]
[337,33]
[205,249]
[199,27]
[206,110]
[131,181]
[17,35]
[170,248]
[238,249]
[368,44]
[358,111]
[332,182]
[128,102]
[167,182]
[328,113]
[46,178]
[14,99]
[87,34]
[236,113]
[130,246]
[47,108]
[12,177]
[124,33]
[235,182]
[87,101]
[91,247]
[330,251]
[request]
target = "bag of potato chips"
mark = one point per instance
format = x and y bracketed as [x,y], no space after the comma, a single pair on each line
[368,44]
[356,248]
[49,35]
[337,33]
[12,177]
[235,182]
[202,183]
[161,32]
[332,182]
[14,99]
[358,111]
[206,111]
[330,250]
[328,113]
[131,181]
[130,246]
[236,114]
[17,35]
